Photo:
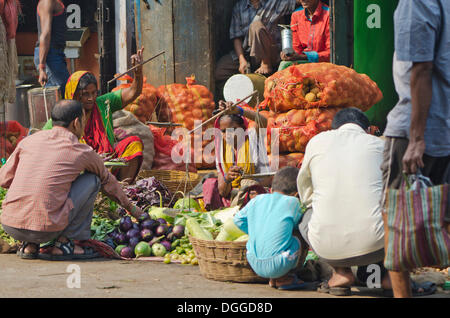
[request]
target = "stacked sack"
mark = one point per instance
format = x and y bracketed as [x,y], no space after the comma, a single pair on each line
[184,104]
[143,106]
[303,100]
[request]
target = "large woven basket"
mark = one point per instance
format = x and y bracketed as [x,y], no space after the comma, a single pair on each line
[224,261]
[174,180]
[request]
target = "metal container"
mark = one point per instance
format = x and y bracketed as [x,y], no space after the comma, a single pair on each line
[286,41]
[19,111]
[40,108]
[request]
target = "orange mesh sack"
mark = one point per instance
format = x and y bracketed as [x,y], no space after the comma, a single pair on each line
[143,106]
[289,160]
[315,85]
[184,104]
[297,127]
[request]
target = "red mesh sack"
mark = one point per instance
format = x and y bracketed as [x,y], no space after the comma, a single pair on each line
[297,127]
[184,104]
[315,85]
[143,106]
[164,144]
[291,159]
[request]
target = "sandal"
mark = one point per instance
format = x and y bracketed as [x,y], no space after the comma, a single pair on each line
[89,253]
[336,291]
[21,252]
[67,248]
[428,288]
[296,284]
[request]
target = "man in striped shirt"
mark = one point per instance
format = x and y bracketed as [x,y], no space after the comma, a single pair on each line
[52,181]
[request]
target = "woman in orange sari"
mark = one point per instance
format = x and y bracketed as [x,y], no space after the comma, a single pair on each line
[99,131]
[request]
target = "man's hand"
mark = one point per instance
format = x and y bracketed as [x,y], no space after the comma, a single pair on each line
[412,160]
[135,211]
[43,78]
[293,56]
[243,66]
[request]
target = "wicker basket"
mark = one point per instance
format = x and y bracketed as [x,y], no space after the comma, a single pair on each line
[224,261]
[174,180]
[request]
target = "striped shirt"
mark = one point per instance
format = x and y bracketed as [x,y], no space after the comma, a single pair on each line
[39,175]
[270,12]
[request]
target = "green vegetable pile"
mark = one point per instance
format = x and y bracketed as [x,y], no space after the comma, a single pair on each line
[101,227]
[5,237]
[181,250]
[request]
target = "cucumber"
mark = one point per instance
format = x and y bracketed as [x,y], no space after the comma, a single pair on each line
[197,231]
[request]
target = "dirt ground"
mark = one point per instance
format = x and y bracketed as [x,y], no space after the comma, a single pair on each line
[115,278]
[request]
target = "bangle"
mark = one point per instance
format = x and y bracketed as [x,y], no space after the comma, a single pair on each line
[42,66]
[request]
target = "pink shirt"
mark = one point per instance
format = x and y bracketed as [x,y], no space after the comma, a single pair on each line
[39,175]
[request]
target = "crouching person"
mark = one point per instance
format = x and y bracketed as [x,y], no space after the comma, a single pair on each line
[273,250]
[53,181]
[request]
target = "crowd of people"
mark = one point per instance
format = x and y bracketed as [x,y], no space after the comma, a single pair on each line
[332,205]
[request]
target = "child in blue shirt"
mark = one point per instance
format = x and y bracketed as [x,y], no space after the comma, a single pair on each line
[270,220]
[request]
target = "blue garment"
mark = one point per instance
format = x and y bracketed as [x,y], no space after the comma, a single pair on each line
[422,34]
[56,68]
[269,220]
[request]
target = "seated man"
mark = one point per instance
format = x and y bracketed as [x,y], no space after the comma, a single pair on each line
[256,38]
[49,196]
[340,182]
[310,27]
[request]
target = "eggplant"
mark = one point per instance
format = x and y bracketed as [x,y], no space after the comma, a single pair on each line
[133,242]
[136,226]
[122,238]
[146,235]
[149,224]
[166,244]
[125,224]
[161,221]
[144,217]
[127,252]
[178,231]
[161,230]
[133,233]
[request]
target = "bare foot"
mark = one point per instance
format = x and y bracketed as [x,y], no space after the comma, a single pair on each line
[342,277]
[264,69]
[31,248]
[285,280]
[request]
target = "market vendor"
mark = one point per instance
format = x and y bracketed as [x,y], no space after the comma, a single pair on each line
[52,181]
[99,133]
[310,26]
[236,154]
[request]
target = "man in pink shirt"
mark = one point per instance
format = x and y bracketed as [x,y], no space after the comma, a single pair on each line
[52,181]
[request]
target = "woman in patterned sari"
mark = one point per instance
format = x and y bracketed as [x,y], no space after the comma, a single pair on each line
[99,132]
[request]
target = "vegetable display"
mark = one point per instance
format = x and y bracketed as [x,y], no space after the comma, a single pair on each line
[3,235]
[145,193]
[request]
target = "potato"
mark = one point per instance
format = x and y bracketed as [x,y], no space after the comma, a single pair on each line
[310,97]
[315,90]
